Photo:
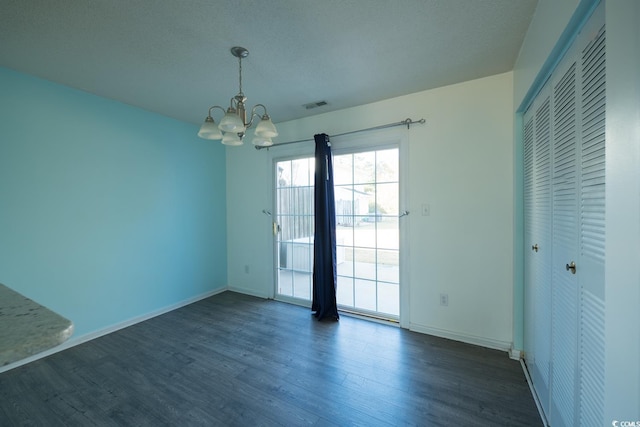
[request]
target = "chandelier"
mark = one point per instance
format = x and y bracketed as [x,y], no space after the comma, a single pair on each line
[233,124]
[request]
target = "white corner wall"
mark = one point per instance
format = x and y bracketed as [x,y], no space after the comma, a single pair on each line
[622,262]
[546,27]
[461,163]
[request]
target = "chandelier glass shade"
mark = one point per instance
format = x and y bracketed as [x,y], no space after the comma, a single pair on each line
[234,124]
[231,138]
[262,141]
[209,130]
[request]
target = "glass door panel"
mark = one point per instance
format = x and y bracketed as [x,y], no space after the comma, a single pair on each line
[367,232]
[294,216]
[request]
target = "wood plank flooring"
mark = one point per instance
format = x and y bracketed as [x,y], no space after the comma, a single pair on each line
[232,359]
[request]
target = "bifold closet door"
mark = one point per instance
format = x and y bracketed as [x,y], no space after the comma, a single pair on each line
[578,202]
[564,202]
[591,357]
[564,296]
[537,201]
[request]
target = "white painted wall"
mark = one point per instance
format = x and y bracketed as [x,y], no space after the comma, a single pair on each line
[461,163]
[622,275]
[250,246]
[622,262]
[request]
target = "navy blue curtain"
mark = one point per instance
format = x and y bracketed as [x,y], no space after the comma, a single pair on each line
[324,246]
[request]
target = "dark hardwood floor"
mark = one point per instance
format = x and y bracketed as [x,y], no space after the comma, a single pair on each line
[233,359]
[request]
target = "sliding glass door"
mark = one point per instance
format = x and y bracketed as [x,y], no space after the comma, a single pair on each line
[367,231]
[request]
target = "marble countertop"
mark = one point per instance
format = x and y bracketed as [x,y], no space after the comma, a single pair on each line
[27,328]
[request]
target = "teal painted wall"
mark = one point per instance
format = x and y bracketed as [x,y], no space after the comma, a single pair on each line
[107,212]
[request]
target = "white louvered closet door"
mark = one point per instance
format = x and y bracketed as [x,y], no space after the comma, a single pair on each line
[591,222]
[537,201]
[564,299]
[564,278]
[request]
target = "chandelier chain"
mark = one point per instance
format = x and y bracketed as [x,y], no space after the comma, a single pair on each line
[240,72]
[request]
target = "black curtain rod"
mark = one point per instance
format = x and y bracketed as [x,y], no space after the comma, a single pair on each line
[406,122]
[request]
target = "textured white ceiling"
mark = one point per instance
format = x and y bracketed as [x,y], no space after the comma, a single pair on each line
[172,57]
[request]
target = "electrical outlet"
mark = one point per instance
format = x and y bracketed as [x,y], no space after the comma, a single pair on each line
[444,300]
[426,209]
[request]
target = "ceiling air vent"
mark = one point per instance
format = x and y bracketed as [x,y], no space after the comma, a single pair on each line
[313,105]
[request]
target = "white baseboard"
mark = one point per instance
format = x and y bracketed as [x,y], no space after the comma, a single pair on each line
[515,354]
[74,341]
[469,339]
[251,292]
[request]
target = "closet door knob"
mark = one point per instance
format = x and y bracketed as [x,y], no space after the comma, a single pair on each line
[572,267]
[534,247]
